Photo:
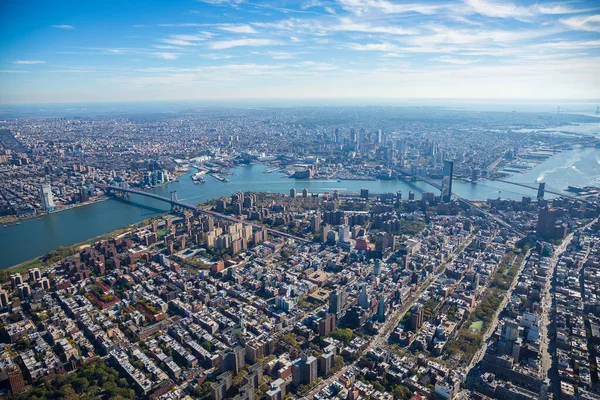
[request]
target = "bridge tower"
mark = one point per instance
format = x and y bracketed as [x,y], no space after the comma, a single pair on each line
[541,190]
[173,199]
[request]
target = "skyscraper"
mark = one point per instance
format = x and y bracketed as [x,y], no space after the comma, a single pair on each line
[304,370]
[416,317]
[547,225]
[344,232]
[315,223]
[336,302]
[381,309]
[47,199]
[447,181]
[377,267]
[363,298]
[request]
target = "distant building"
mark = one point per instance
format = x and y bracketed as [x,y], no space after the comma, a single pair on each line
[315,223]
[15,379]
[344,233]
[3,298]
[327,324]
[547,226]
[34,274]
[47,199]
[416,319]
[233,360]
[447,181]
[381,309]
[219,389]
[377,267]
[326,361]
[336,302]
[304,370]
[363,298]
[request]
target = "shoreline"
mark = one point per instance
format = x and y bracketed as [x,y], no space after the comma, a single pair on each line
[30,262]
[18,220]
[98,199]
[38,262]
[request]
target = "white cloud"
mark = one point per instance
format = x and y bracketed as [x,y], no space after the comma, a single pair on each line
[281,55]
[63,26]
[501,9]
[311,4]
[237,28]
[346,24]
[498,9]
[372,47]
[180,25]
[28,62]
[186,40]
[213,56]
[317,66]
[572,45]
[359,7]
[166,55]
[590,23]
[556,9]
[227,44]
[452,36]
[233,3]
[454,60]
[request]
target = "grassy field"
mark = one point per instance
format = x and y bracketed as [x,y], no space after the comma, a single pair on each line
[476,326]
[26,266]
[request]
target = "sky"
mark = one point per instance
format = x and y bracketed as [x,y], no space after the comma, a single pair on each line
[108,51]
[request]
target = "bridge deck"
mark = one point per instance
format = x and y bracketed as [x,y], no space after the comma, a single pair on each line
[215,214]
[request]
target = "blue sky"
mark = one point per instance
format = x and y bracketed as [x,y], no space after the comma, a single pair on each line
[89,51]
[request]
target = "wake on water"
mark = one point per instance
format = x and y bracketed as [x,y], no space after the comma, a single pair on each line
[568,164]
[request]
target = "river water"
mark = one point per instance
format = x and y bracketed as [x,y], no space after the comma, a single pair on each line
[35,237]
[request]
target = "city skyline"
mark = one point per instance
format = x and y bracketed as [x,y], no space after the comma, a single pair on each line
[368,49]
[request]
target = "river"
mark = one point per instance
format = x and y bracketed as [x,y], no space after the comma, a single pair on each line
[35,237]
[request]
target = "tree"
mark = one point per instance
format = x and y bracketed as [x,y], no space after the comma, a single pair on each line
[378,386]
[81,385]
[401,392]
[338,363]
[203,390]
[343,335]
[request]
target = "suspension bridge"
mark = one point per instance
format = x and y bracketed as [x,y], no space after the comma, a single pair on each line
[175,203]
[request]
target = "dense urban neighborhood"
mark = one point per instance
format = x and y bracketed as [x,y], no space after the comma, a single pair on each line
[312,295]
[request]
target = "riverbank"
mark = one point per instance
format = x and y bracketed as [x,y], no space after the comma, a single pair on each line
[38,262]
[39,236]
[15,220]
